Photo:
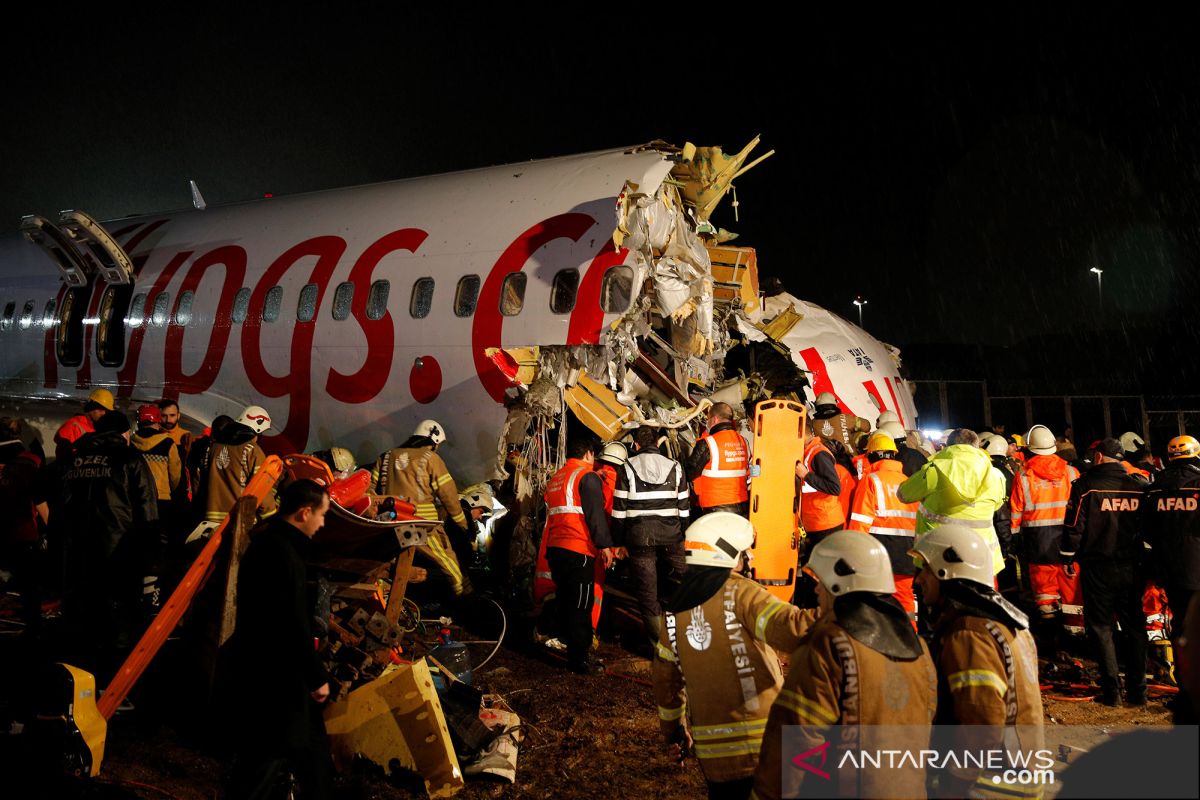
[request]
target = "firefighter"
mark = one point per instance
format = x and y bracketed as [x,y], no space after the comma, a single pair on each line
[576,537]
[1137,458]
[716,672]
[228,460]
[877,511]
[862,643]
[911,458]
[821,511]
[1172,528]
[1008,581]
[1039,506]
[1104,533]
[987,662]
[958,485]
[718,465]
[833,425]
[612,457]
[650,511]
[416,473]
[99,403]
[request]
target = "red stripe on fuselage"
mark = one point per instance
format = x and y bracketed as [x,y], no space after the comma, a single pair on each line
[589,314]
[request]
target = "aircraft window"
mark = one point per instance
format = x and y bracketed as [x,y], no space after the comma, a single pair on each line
[616,292]
[48,315]
[162,302]
[342,297]
[274,301]
[68,339]
[422,298]
[183,311]
[137,311]
[241,305]
[466,295]
[6,322]
[27,315]
[512,294]
[562,293]
[306,309]
[110,325]
[377,299]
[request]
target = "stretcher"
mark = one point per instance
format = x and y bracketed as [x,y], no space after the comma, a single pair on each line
[774,498]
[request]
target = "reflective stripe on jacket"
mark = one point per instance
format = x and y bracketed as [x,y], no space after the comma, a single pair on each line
[877,510]
[566,526]
[723,481]
[819,511]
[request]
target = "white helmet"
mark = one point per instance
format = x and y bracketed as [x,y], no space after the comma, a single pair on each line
[478,496]
[956,551]
[255,418]
[1131,442]
[850,561]
[894,430]
[826,399]
[614,453]
[996,445]
[1041,441]
[885,417]
[717,539]
[432,429]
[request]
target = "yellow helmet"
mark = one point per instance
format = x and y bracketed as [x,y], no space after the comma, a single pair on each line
[1019,439]
[102,398]
[1183,447]
[880,442]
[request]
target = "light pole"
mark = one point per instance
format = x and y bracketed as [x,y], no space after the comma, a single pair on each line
[858,301]
[1099,285]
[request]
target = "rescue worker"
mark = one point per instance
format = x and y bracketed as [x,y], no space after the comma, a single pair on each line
[1137,458]
[612,457]
[821,511]
[716,670]
[170,424]
[577,536]
[718,465]
[1172,528]
[416,473]
[862,642]
[997,448]
[105,511]
[910,458]
[833,425]
[1104,533]
[228,461]
[987,662]
[650,511]
[166,467]
[877,511]
[1039,506]
[958,484]
[21,518]
[99,403]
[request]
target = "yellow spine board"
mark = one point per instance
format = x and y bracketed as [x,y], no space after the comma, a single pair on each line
[774,496]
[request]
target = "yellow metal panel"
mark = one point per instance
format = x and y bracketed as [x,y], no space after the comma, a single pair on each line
[397,720]
[779,327]
[597,407]
[735,275]
[92,726]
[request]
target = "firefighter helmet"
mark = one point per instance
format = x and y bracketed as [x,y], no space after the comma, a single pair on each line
[997,445]
[432,429]
[255,418]
[886,416]
[717,539]
[826,399]
[849,561]
[894,430]
[1183,447]
[614,453]
[881,442]
[102,398]
[1042,441]
[1131,442]
[955,551]
[478,496]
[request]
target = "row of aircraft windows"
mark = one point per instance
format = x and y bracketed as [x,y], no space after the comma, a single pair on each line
[615,295]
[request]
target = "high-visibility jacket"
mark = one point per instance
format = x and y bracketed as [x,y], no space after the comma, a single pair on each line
[162,456]
[846,495]
[723,481]
[819,511]
[862,465]
[1132,470]
[70,432]
[566,525]
[877,510]
[1039,505]
[419,475]
[608,476]
[717,664]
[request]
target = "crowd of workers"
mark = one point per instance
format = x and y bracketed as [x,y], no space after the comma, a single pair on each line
[940,572]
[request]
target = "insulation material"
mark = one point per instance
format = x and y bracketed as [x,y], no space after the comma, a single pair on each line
[709,173]
[397,721]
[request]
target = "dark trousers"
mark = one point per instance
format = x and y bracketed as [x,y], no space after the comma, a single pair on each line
[1113,590]
[574,575]
[742,509]
[261,773]
[656,571]
[731,790]
[805,594]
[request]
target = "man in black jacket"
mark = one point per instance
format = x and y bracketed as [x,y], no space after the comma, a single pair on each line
[650,509]
[104,506]
[277,671]
[1104,533]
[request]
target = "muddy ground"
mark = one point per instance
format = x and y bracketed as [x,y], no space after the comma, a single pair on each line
[586,737]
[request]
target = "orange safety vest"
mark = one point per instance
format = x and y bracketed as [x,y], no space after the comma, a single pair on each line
[876,508]
[849,484]
[1041,503]
[819,511]
[566,526]
[608,476]
[862,465]
[1132,470]
[71,431]
[723,481]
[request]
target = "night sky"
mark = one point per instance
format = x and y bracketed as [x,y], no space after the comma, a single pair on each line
[961,173]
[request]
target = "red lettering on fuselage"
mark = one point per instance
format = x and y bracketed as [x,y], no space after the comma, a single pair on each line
[127,376]
[233,259]
[588,316]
